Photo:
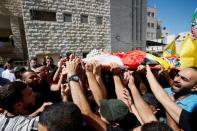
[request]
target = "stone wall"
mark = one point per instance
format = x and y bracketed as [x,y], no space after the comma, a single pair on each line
[13,10]
[51,37]
[11,7]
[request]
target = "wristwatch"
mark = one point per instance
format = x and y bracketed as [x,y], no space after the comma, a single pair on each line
[74,78]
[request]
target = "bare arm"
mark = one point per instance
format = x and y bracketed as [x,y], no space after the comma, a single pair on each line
[97,74]
[41,109]
[56,87]
[119,87]
[162,97]
[80,100]
[172,123]
[59,69]
[94,86]
[142,107]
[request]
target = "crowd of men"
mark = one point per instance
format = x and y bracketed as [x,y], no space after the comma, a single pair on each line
[79,96]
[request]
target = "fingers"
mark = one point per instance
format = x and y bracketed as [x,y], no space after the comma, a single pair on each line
[141,68]
[89,67]
[65,90]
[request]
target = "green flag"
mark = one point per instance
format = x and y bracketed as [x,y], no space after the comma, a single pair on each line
[194,25]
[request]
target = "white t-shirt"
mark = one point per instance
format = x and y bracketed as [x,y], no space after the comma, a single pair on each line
[7,74]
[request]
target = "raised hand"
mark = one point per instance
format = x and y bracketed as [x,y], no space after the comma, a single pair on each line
[65,91]
[141,68]
[115,68]
[96,68]
[89,67]
[72,66]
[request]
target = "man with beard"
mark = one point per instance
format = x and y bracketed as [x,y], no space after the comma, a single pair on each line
[16,98]
[44,82]
[41,91]
[184,88]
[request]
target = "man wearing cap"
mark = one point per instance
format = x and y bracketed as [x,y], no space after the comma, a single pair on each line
[116,113]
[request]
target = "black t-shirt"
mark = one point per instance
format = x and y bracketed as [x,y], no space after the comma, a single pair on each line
[187,120]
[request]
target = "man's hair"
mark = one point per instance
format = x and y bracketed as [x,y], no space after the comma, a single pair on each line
[61,117]
[31,71]
[50,58]
[41,67]
[34,58]
[18,71]
[10,94]
[155,126]
[9,60]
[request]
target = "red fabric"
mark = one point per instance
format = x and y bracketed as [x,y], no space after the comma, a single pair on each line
[132,59]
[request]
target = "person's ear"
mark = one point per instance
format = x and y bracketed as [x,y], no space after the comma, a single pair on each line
[18,106]
[194,89]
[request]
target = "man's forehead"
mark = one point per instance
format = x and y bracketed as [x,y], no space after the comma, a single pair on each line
[41,68]
[189,73]
[28,73]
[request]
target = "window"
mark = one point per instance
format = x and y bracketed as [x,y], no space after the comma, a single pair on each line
[153,15]
[99,20]
[158,27]
[42,15]
[148,24]
[84,18]
[67,17]
[149,14]
[152,25]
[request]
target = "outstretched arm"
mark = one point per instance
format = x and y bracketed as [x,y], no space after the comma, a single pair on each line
[142,107]
[80,100]
[93,84]
[162,96]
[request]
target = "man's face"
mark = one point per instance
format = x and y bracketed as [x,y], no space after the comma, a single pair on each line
[49,62]
[42,73]
[185,80]
[33,62]
[28,98]
[30,78]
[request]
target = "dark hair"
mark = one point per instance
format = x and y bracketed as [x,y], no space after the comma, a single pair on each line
[50,58]
[61,117]
[26,72]
[10,94]
[9,60]
[34,58]
[155,126]
[18,71]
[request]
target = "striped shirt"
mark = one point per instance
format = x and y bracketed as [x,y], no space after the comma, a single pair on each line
[18,123]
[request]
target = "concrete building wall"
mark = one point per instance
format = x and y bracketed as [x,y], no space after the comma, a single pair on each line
[151,23]
[128,24]
[59,37]
[12,11]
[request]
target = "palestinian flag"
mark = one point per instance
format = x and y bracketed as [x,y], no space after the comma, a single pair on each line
[131,59]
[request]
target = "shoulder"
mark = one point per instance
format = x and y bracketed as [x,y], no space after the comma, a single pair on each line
[15,122]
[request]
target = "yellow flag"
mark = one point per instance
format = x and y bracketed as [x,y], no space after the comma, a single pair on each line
[170,49]
[188,50]
[195,56]
[161,61]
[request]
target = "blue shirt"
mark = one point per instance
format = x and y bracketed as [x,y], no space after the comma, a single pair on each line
[188,103]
